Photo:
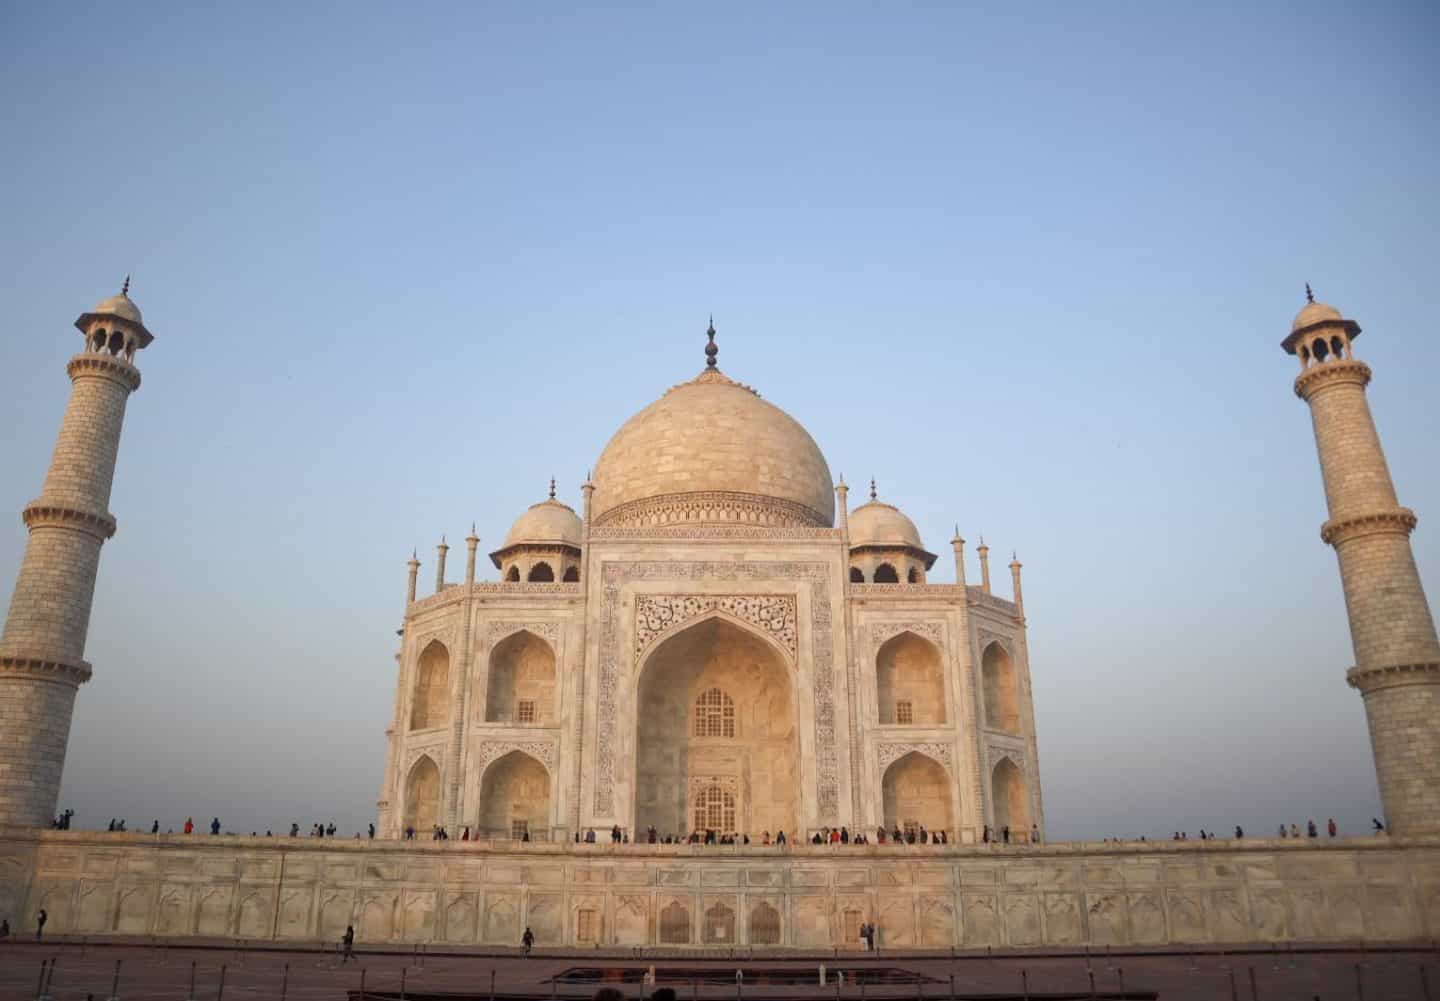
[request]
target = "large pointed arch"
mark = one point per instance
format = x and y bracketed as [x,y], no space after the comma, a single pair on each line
[515,798]
[422,796]
[1010,797]
[918,792]
[1001,687]
[521,680]
[756,761]
[910,681]
[430,695]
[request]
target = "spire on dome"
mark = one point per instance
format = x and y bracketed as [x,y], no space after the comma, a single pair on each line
[552,488]
[1309,296]
[125,289]
[710,349]
[873,495]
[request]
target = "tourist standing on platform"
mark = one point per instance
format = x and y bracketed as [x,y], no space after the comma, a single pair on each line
[348,944]
[40,920]
[528,940]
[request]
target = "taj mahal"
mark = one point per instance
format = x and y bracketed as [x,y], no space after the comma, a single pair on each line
[717,641]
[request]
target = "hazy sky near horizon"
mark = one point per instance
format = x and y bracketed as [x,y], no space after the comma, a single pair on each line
[1027,265]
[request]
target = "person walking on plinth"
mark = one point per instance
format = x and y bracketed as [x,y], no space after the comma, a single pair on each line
[527,940]
[1332,828]
[347,943]
[40,920]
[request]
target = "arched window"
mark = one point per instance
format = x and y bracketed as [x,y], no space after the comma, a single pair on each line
[714,714]
[856,577]
[541,573]
[572,575]
[675,924]
[885,574]
[714,809]
[764,925]
[428,705]
[913,577]
[513,575]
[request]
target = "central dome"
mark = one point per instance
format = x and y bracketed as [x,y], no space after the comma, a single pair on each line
[712,451]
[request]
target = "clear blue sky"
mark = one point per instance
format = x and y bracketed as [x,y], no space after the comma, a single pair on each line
[1029,266]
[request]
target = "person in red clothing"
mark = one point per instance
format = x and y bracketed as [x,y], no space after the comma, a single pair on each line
[1333,829]
[189,825]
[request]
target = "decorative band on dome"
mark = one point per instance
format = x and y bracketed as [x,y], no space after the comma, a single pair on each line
[712,507]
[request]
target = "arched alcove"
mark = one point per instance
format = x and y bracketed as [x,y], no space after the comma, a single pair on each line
[522,681]
[716,710]
[1002,699]
[857,576]
[541,573]
[764,925]
[422,796]
[910,681]
[1009,797]
[572,575]
[917,793]
[885,574]
[675,924]
[515,798]
[430,701]
[512,576]
[719,925]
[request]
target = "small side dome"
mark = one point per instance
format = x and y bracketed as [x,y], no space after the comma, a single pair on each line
[879,524]
[547,523]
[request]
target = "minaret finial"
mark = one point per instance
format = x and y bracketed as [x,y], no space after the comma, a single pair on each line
[1309,296]
[552,488]
[710,349]
[125,289]
[872,488]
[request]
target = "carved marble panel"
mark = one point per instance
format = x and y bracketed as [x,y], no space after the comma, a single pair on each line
[500,628]
[772,614]
[881,632]
[891,752]
[542,751]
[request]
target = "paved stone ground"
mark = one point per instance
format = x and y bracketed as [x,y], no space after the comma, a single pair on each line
[152,973]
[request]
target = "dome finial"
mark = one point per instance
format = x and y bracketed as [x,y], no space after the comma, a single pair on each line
[710,349]
[552,488]
[125,289]
[1309,296]
[872,488]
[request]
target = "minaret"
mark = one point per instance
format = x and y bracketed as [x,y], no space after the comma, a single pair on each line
[43,647]
[1397,656]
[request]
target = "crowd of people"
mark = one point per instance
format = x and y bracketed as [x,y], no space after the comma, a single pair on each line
[909,835]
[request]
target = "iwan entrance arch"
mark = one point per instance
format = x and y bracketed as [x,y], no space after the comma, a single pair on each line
[717,740]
